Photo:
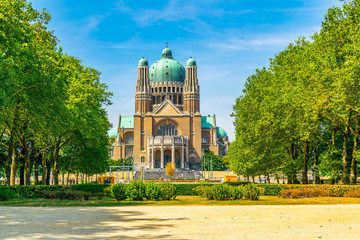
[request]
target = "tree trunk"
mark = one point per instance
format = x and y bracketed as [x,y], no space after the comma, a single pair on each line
[345,154]
[13,167]
[316,164]
[77,177]
[44,167]
[36,169]
[353,175]
[11,150]
[56,162]
[22,171]
[304,179]
[27,162]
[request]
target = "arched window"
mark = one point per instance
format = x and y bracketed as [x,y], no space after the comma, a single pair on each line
[167,130]
[204,139]
[129,139]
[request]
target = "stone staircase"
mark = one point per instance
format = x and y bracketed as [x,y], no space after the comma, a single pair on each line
[160,174]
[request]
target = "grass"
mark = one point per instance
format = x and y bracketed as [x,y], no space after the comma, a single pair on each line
[179,201]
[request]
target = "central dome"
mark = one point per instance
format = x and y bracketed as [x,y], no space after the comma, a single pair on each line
[167,69]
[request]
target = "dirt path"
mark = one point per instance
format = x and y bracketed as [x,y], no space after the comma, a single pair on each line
[187,222]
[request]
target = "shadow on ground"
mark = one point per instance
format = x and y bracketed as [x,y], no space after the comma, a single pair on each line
[83,223]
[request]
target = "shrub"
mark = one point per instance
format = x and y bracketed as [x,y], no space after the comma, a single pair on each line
[251,192]
[209,192]
[119,191]
[136,190]
[221,192]
[153,192]
[304,193]
[7,194]
[354,193]
[168,191]
[236,193]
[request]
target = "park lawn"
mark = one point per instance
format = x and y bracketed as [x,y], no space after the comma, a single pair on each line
[179,201]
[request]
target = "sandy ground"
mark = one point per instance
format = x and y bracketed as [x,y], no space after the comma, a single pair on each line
[182,222]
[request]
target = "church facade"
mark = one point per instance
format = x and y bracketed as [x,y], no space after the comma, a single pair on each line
[167,125]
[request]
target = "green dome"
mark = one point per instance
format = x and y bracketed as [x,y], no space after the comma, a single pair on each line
[191,62]
[113,132]
[221,132]
[167,69]
[143,62]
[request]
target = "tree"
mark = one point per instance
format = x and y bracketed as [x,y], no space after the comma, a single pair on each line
[170,169]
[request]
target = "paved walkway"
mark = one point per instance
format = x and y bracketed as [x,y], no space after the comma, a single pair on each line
[187,222]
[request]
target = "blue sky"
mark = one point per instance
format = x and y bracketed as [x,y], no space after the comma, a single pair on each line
[228,39]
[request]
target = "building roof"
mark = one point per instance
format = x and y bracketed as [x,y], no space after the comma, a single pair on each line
[126,122]
[207,122]
[143,62]
[221,132]
[113,132]
[167,69]
[191,62]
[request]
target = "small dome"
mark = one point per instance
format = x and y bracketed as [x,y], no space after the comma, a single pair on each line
[113,132]
[166,53]
[221,132]
[143,62]
[191,62]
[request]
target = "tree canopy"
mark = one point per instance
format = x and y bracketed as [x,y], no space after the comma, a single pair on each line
[52,106]
[302,112]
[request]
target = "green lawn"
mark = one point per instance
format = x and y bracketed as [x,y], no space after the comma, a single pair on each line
[180,201]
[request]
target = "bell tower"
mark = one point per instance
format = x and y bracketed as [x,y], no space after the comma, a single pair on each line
[143,89]
[191,88]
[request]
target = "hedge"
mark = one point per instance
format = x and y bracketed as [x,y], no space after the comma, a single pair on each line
[334,190]
[188,189]
[37,191]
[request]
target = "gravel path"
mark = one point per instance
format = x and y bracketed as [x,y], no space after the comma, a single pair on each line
[182,222]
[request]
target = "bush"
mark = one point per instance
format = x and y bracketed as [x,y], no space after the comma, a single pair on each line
[7,194]
[236,193]
[153,192]
[168,191]
[221,192]
[251,192]
[354,193]
[136,190]
[119,191]
[304,193]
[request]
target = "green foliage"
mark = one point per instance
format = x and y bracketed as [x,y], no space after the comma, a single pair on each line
[7,194]
[251,192]
[303,110]
[119,191]
[92,188]
[236,193]
[187,189]
[168,191]
[211,161]
[136,190]
[67,195]
[153,192]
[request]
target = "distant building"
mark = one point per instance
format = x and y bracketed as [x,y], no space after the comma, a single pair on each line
[167,124]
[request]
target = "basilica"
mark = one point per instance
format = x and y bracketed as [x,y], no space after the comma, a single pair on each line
[167,125]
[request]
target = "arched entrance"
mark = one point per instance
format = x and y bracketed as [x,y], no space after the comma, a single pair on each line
[157,159]
[167,157]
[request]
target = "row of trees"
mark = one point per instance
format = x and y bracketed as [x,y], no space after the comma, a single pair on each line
[52,115]
[302,112]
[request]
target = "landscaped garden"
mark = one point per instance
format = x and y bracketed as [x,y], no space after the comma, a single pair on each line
[165,193]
